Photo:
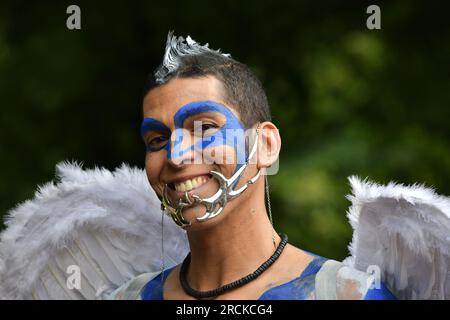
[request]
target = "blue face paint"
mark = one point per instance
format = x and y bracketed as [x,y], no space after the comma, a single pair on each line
[232,133]
[149,125]
[232,128]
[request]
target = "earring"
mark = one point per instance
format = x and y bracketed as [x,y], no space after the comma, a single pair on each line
[162,243]
[269,209]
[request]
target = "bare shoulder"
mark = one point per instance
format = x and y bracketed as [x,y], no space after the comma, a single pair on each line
[297,256]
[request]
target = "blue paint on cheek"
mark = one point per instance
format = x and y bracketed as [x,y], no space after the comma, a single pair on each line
[177,145]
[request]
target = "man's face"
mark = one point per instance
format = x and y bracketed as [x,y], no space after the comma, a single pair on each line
[186,129]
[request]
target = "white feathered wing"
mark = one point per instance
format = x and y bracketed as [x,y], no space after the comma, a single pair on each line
[405,231]
[106,223]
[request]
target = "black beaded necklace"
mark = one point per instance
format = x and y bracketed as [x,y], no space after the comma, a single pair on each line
[233,285]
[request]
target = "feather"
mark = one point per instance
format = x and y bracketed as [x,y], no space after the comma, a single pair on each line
[404,230]
[106,223]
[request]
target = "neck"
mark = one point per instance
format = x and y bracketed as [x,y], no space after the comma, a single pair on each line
[233,248]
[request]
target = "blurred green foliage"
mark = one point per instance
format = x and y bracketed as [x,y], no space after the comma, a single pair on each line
[347,100]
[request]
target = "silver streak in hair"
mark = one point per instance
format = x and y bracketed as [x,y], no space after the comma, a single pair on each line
[176,48]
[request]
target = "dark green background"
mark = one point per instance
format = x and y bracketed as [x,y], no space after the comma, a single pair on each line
[347,100]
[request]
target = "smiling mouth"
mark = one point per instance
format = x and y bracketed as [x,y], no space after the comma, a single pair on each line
[190,184]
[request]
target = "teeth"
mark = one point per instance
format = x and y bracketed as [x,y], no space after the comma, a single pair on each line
[190,184]
[180,187]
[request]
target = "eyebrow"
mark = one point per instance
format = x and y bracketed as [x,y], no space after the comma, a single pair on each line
[150,124]
[197,107]
[186,111]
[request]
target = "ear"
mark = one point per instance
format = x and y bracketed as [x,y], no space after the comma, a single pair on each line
[269,145]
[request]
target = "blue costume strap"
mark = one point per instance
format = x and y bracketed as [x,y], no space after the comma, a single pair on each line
[382,293]
[153,290]
[300,288]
